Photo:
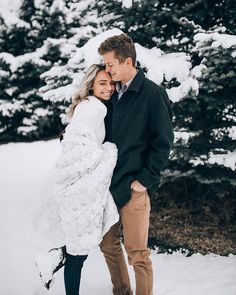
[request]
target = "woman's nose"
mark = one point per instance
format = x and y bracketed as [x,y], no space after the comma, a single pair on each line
[109,86]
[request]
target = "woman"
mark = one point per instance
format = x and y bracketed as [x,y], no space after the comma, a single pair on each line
[83,175]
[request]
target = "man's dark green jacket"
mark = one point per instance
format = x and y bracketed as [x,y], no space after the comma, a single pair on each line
[139,123]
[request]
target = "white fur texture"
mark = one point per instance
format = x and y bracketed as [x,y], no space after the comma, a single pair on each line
[83,175]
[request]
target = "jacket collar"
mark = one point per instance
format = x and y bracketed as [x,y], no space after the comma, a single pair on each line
[137,81]
[134,86]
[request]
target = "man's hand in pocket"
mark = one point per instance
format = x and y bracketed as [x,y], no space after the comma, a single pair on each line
[137,186]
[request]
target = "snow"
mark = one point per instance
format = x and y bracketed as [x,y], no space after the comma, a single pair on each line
[40,112]
[127,3]
[11,19]
[196,72]
[66,47]
[9,108]
[20,60]
[12,5]
[227,159]
[216,40]
[187,86]
[29,225]
[47,262]
[160,67]
[80,59]
[183,136]
[219,133]
[232,132]
[89,52]
[25,130]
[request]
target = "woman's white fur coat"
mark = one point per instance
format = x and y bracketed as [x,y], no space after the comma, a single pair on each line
[83,175]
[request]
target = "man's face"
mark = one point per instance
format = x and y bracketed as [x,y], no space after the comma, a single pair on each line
[117,70]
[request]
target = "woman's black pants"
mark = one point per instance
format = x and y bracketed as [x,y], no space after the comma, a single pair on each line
[72,273]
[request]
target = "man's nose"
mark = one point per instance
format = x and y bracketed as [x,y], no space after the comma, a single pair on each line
[107,69]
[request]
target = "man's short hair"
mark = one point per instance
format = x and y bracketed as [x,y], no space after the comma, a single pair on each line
[122,45]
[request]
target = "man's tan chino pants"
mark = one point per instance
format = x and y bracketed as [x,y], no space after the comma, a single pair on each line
[135,223]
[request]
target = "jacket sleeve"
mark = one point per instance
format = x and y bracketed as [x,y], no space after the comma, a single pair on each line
[161,138]
[91,113]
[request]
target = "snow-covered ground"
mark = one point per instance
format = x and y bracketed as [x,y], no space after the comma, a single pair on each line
[29,224]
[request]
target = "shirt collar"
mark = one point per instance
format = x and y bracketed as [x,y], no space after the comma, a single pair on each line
[121,88]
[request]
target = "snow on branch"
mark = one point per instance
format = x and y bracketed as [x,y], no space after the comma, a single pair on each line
[215,40]
[160,67]
[222,159]
[10,19]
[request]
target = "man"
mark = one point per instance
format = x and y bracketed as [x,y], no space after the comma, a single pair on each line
[138,121]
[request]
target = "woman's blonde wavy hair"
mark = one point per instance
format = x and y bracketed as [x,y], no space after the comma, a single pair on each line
[86,87]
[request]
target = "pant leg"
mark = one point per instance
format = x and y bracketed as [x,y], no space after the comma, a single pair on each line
[135,219]
[72,273]
[113,253]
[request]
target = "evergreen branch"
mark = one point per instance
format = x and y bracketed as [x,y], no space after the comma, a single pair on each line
[183,22]
[188,7]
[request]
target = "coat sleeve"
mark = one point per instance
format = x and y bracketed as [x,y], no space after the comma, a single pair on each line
[161,139]
[91,113]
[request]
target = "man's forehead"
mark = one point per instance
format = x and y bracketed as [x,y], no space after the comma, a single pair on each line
[109,57]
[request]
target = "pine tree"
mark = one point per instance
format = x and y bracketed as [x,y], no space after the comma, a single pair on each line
[209,118]
[171,24]
[24,114]
[27,10]
[3,35]
[7,106]
[48,20]
[13,39]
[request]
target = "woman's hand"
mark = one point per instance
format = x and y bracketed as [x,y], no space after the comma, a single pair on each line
[137,186]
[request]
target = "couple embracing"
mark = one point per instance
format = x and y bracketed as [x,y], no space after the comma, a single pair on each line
[118,139]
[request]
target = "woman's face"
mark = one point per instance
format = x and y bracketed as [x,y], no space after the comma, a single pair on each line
[103,87]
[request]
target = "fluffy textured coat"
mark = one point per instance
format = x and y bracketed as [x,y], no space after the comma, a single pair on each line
[83,175]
